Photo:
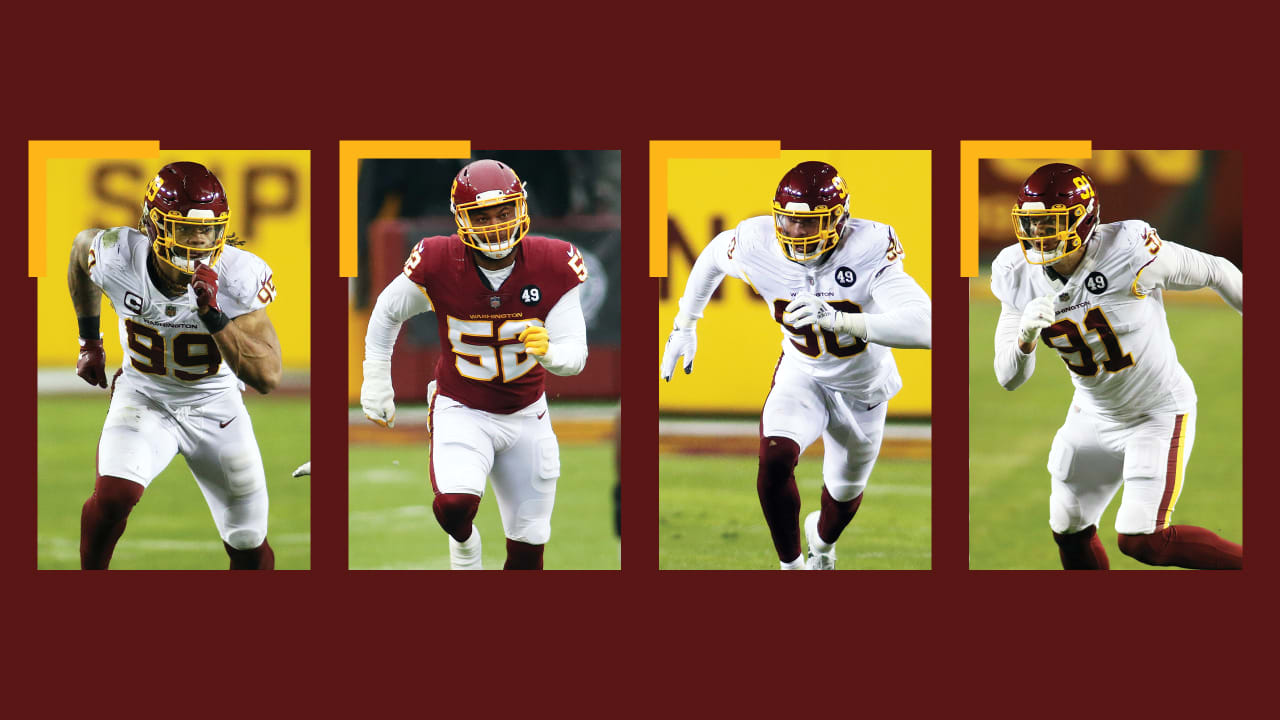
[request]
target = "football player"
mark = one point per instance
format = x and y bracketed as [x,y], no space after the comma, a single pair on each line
[836,286]
[193,331]
[508,312]
[1095,293]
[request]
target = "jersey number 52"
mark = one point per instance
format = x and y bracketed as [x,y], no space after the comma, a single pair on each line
[486,362]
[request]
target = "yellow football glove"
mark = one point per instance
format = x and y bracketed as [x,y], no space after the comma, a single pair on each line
[534,338]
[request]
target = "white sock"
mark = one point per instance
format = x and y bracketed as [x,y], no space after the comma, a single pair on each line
[797,564]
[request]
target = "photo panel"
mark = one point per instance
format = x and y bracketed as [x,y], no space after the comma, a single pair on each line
[197,263]
[770,438]
[1080,449]
[462,263]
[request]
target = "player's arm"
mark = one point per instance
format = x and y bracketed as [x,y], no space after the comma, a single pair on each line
[560,346]
[86,298]
[1015,341]
[399,301]
[248,342]
[1178,267]
[707,274]
[908,321]
[249,345]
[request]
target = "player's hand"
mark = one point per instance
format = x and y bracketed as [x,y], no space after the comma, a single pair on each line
[92,365]
[303,469]
[808,309]
[535,341]
[681,341]
[1037,316]
[377,397]
[205,284]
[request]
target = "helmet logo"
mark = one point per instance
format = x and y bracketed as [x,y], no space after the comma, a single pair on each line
[1082,184]
[153,188]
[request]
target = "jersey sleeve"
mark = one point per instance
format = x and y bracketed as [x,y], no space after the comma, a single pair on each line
[418,266]
[1003,278]
[1140,245]
[1013,367]
[1177,267]
[714,262]
[566,336]
[907,319]
[251,286]
[399,301]
[575,267]
[109,254]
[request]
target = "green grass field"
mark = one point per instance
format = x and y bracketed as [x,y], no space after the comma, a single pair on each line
[1010,434]
[171,528]
[709,515]
[392,526]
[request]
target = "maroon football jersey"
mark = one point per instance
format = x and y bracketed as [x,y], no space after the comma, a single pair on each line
[482,363]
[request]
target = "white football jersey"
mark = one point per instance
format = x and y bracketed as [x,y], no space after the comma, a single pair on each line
[167,353]
[1111,332]
[868,255]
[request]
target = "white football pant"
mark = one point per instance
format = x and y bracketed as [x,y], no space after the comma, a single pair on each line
[1091,458]
[517,451]
[141,436]
[802,409]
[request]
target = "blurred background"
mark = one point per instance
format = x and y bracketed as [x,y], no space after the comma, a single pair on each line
[708,427]
[269,196]
[574,195]
[1193,198]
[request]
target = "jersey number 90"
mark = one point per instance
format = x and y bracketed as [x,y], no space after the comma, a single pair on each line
[813,345]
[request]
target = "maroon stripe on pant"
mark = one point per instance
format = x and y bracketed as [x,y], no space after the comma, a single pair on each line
[1171,473]
[431,455]
[772,381]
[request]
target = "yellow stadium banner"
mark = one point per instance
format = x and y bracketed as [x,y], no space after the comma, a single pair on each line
[738,340]
[269,193]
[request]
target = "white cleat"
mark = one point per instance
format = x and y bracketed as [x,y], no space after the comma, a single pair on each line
[819,559]
[465,555]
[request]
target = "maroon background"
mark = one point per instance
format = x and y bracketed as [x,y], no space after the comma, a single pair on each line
[639,642]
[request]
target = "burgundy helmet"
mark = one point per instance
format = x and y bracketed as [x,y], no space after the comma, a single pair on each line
[1056,213]
[809,210]
[493,189]
[185,215]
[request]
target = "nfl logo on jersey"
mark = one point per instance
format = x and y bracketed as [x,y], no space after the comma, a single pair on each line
[170,310]
[495,301]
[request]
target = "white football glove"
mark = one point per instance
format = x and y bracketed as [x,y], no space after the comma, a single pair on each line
[681,341]
[303,469]
[1037,316]
[377,397]
[808,309]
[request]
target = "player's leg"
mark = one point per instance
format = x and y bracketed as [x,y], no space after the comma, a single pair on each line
[222,452]
[461,458]
[1156,458]
[137,442]
[1084,475]
[793,417]
[851,443]
[525,472]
